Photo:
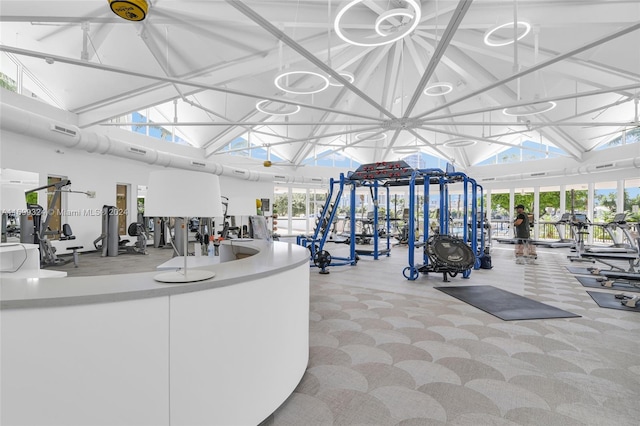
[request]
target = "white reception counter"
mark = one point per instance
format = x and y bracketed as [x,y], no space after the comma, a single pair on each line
[125,349]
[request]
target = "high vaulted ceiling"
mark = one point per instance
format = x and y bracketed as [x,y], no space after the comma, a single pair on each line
[200,67]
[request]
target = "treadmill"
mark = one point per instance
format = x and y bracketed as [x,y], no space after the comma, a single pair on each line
[562,242]
[619,221]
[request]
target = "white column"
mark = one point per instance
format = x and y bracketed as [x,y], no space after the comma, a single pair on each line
[563,199]
[536,212]
[512,204]
[290,211]
[620,197]
[590,206]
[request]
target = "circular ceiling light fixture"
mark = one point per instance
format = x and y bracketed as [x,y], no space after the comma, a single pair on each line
[438,89]
[385,37]
[533,109]
[280,78]
[347,76]
[365,135]
[393,13]
[281,111]
[523,28]
[406,149]
[131,10]
[459,143]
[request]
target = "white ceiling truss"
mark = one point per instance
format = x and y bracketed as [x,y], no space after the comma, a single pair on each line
[199,68]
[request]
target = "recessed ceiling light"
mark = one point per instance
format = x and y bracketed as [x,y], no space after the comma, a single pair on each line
[277,111]
[438,89]
[367,40]
[523,27]
[459,143]
[365,135]
[324,82]
[347,76]
[533,109]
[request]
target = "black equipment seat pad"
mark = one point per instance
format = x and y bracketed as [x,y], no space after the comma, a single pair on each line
[67,234]
[135,229]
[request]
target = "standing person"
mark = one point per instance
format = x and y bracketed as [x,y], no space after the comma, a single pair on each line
[521,225]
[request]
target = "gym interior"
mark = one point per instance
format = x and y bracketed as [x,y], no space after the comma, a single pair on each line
[314,214]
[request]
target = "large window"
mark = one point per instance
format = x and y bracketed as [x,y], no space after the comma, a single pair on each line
[527,151]
[623,138]
[605,201]
[576,198]
[632,200]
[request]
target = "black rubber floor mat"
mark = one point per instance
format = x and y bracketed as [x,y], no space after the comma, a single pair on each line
[594,283]
[503,304]
[608,300]
[578,271]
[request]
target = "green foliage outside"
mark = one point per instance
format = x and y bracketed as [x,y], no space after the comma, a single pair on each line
[550,203]
[7,83]
[32,198]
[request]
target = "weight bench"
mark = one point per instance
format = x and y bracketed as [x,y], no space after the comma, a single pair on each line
[67,235]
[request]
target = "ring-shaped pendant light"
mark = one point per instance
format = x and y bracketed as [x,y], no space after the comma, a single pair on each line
[323,85]
[393,13]
[459,143]
[410,149]
[260,107]
[367,41]
[533,109]
[347,76]
[438,89]
[505,41]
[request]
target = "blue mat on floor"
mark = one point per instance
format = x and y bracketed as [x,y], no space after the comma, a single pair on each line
[503,304]
[608,300]
[594,283]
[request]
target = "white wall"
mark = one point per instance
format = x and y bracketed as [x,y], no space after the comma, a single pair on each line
[94,172]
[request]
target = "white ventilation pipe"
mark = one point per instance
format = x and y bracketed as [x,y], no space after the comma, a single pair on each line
[628,163]
[26,123]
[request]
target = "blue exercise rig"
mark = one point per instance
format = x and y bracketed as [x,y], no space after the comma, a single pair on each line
[384,175]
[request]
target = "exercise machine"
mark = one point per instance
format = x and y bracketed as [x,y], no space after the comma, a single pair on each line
[447,255]
[109,242]
[629,300]
[619,244]
[580,225]
[437,255]
[320,257]
[560,226]
[34,230]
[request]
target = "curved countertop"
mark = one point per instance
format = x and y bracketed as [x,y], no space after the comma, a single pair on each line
[228,350]
[267,258]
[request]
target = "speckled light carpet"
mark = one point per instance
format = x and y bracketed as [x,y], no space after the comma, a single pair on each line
[388,351]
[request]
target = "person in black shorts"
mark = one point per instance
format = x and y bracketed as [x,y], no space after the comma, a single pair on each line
[521,225]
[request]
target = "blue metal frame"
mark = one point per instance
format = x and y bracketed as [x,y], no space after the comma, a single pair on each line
[316,243]
[469,233]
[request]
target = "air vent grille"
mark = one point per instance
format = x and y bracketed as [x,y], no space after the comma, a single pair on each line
[63,130]
[539,174]
[488,179]
[137,150]
[239,172]
[605,166]
[198,164]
